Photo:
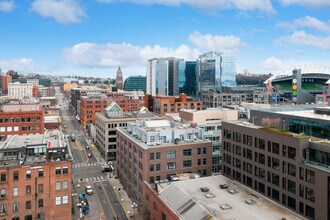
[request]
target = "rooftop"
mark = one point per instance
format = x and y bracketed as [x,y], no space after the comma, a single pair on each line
[307,114]
[52,119]
[236,202]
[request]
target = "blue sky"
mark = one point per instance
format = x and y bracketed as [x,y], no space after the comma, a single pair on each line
[93,37]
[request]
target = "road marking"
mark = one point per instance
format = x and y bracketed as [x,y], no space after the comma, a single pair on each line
[89,164]
[113,211]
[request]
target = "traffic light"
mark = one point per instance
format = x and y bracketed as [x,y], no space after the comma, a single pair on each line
[294,90]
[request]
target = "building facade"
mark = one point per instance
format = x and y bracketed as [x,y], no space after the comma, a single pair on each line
[169,104]
[187,77]
[291,169]
[20,90]
[156,150]
[68,86]
[21,119]
[209,121]
[135,83]
[215,99]
[35,181]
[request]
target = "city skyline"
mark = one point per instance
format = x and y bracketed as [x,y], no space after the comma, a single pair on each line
[95,37]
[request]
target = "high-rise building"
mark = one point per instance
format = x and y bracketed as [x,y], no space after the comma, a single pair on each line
[6,79]
[20,90]
[187,77]
[135,83]
[119,79]
[213,71]
[162,76]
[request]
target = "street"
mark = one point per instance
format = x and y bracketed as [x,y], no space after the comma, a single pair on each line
[87,170]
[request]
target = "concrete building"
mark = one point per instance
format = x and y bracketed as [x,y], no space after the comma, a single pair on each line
[170,104]
[35,177]
[34,82]
[19,90]
[106,124]
[184,200]
[6,80]
[187,77]
[210,121]
[215,99]
[68,86]
[314,121]
[157,150]
[291,169]
[21,119]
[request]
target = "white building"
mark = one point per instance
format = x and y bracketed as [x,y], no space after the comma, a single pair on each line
[34,82]
[19,90]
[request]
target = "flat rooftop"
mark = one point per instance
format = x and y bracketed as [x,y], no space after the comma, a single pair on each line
[236,202]
[52,119]
[306,114]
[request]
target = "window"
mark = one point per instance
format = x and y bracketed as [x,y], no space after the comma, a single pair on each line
[171,154]
[65,184]
[65,170]
[310,176]
[3,208]
[28,174]
[152,155]
[187,152]
[28,217]
[199,162]
[204,150]
[58,186]
[41,173]
[15,206]
[28,205]
[65,199]
[28,190]
[291,152]
[187,163]
[158,156]
[171,166]
[15,191]
[2,193]
[199,151]
[291,169]
[40,188]
[310,194]
[58,200]
[58,171]
[291,186]
[204,161]
[151,168]
[3,177]
[158,167]
[275,148]
[15,175]
[40,203]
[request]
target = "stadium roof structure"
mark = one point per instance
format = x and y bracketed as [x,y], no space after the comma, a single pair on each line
[315,71]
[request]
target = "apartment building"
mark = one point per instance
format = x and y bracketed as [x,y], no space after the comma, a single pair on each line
[19,90]
[162,104]
[35,177]
[210,121]
[21,119]
[291,169]
[215,99]
[156,150]
[107,123]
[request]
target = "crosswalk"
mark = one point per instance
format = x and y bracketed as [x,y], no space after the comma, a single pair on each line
[92,179]
[84,165]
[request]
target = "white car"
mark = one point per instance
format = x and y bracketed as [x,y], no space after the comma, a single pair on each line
[89,190]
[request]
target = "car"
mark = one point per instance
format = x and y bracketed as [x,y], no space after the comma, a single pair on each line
[89,155]
[106,170]
[204,189]
[87,147]
[89,190]
[224,186]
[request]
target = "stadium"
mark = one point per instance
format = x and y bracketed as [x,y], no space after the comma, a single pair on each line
[314,79]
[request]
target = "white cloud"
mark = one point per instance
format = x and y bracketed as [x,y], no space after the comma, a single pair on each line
[273,64]
[210,5]
[22,64]
[307,21]
[7,6]
[91,55]
[62,11]
[228,43]
[302,38]
[307,3]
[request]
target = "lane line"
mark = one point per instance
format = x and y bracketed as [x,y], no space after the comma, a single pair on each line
[106,196]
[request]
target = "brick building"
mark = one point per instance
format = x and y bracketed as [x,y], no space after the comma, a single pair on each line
[162,104]
[156,150]
[21,119]
[35,182]
[291,169]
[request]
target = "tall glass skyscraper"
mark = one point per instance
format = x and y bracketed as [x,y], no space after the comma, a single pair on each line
[135,83]
[213,71]
[187,77]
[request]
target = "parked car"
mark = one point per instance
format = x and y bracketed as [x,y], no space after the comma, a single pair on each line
[224,186]
[204,189]
[89,190]
[89,155]
[106,170]
[87,147]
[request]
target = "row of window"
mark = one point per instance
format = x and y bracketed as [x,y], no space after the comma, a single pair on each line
[16,128]
[19,119]
[15,207]
[172,154]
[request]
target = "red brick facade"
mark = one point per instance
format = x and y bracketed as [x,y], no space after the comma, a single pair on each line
[42,192]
